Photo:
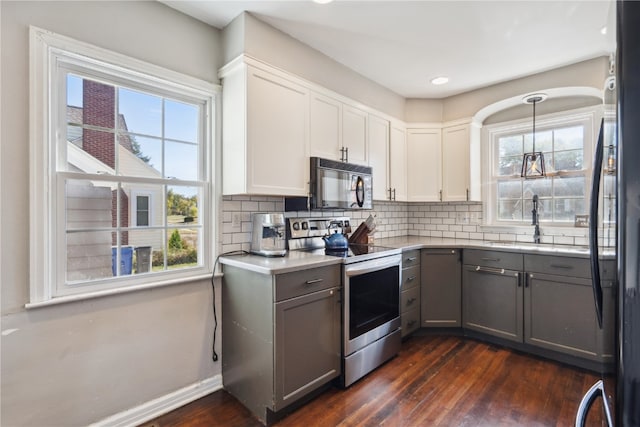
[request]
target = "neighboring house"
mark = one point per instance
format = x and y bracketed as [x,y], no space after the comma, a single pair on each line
[92,151]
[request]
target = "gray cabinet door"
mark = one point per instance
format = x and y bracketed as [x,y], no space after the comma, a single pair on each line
[307,344]
[492,301]
[441,294]
[559,314]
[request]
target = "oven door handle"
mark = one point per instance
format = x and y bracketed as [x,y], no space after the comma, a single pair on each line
[372,265]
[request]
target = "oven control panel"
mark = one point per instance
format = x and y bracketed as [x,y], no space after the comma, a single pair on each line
[317,227]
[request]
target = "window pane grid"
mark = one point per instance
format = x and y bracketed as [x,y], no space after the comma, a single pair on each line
[561,195]
[127,139]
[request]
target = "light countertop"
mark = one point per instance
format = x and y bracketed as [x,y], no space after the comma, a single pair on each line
[301,260]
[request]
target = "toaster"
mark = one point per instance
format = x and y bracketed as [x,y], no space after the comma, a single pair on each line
[268,234]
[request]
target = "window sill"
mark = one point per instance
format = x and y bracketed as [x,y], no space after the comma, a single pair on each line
[526,229]
[118,291]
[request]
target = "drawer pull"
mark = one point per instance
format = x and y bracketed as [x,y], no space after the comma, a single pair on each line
[411,279]
[410,324]
[491,259]
[411,258]
[410,301]
[312,281]
[489,270]
[566,267]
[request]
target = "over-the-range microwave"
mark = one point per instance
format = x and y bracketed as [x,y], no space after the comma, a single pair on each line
[335,185]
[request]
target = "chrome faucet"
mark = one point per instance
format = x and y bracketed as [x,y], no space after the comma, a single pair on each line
[535,220]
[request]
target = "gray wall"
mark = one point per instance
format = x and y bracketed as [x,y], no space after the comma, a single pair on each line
[77,363]
[591,73]
[268,44]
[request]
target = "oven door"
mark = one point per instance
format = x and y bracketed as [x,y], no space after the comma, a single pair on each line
[371,301]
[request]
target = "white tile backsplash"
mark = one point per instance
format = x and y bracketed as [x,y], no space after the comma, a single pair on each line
[461,220]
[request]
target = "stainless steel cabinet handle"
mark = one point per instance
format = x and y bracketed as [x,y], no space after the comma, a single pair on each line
[467,194]
[489,270]
[412,258]
[491,259]
[519,276]
[527,279]
[394,194]
[411,279]
[566,267]
[440,195]
[410,301]
[312,281]
[411,323]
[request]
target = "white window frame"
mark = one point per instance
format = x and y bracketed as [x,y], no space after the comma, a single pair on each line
[47,52]
[588,116]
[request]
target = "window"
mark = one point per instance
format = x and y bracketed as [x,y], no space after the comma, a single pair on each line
[566,141]
[142,210]
[124,183]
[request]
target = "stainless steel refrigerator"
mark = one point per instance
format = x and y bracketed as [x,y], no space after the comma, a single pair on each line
[615,399]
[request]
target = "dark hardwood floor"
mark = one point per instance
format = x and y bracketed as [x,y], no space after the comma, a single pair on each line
[434,381]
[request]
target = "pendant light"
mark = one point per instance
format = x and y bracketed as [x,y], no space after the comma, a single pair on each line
[533,162]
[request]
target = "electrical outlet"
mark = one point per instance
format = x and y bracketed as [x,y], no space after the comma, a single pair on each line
[581,221]
[236,220]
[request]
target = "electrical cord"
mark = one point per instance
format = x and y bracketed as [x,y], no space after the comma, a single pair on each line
[213,291]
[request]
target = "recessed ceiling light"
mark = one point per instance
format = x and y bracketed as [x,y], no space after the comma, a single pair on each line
[322,1]
[440,80]
[603,30]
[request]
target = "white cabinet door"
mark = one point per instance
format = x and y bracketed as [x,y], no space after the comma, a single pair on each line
[424,165]
[398,163]
[455,163]
[277,135]
[265,126]
[325,126]
[354,134]
[378,156]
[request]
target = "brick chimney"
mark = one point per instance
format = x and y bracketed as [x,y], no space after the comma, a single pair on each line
[98,101]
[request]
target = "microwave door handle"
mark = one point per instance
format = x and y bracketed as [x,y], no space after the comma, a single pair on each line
[593,225]
[360,191]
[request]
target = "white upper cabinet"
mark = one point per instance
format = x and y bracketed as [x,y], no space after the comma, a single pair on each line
[424,165]
[455,163]
[379,156]
[354,135]
[325,126]
[265,133]
[398,162]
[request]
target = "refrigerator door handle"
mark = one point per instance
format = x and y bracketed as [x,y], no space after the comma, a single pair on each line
[593,225]
[596,390]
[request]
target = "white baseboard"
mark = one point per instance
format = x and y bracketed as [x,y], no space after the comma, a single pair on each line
[156,407]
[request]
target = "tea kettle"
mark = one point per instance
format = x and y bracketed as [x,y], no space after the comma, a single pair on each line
[336,241]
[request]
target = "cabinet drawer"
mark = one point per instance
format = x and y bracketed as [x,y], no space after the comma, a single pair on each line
[410,277]
[495,259]
[410,258]
[302,282]
[563,266]
[410,321]
[409,299]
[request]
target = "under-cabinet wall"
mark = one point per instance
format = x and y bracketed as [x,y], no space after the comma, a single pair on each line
[455,220]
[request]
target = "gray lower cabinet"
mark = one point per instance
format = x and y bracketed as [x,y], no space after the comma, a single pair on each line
[441,290]
[559,307]
[280,335]
[410,292]
[540,300]
[492,293]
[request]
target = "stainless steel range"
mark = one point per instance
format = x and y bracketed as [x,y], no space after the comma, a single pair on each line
[371,294]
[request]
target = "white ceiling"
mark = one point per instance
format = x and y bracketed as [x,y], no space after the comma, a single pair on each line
[403,44]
